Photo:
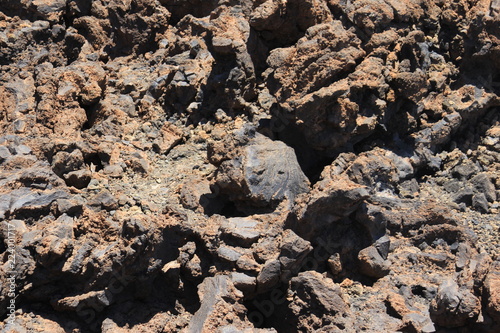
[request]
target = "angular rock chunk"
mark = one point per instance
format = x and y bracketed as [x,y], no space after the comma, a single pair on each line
[492,292]
[241,230]
[229,254]
[218,297]
[243,282]
[483,184]
[330,200]
[4,154]
[293,252]
[372,263]
[170,136]
[24,200]
[64,162]
[269,276]
[79,179]
[94,299]
[454,306]
[105,200]
[319,299]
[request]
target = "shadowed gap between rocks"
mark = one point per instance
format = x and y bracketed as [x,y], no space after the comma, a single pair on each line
[270,310]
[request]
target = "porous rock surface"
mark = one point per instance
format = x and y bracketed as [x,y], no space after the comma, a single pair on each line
[250,166]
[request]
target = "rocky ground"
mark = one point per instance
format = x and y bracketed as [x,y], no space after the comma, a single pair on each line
[250,166]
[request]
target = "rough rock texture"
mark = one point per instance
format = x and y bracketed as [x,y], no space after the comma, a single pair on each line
[249,166]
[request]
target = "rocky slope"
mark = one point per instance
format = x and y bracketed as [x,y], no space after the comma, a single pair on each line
[250,166]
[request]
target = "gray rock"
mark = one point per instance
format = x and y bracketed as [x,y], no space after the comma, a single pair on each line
[440,132]
[80,253]
[97,300]
[257,170]
[212,291]
[483,184]
[104,200]
[71,206]
[329,201]
[418,322]
[463,255]
[372,218]
[40,176]
[64,162]
[79,179]
[4,154]
[31,200]
[335,264]
[4,205]
[241,231]
[293,252]
[372,264]
[247,284]
[115,171]
[383,245]
[269,276]
[491,296]
[464,170]
[135,226]
[19,126]
[63,228]
[315,294]
[464,196]
[21,150]
[454,306]
[480,203]
[228,254]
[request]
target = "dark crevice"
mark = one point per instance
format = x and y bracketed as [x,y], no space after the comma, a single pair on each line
[311,162]
[90,111]
[94,159]
[270,310]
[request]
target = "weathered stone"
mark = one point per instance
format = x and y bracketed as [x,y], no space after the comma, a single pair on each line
[454,306]
[335,264]
[314,294]
[94,299]
[383,245]
[228,254]
[258,171]
[64,162]
[4,154]
[79,179]
[170,136]
[22,150]
[269,276]
[247,284]
[329,201]
[492,292]
[372,264]
[105,200]
[216,296]
[390,107]
[292,254]
[24,200]
[70,206]
[480,203]
[113,170]
[240,230]
[482,184]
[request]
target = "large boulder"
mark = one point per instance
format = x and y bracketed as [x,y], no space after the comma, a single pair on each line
[254,170]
